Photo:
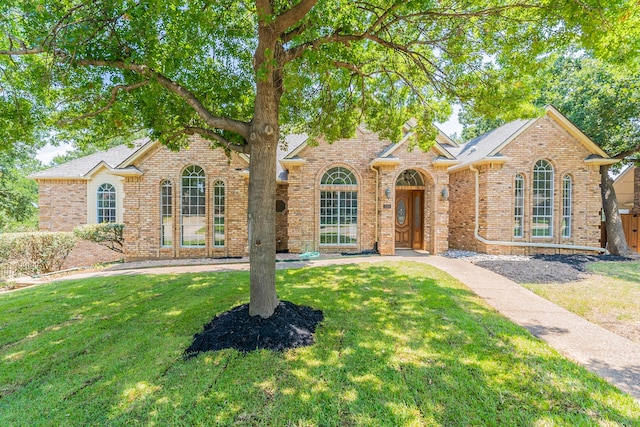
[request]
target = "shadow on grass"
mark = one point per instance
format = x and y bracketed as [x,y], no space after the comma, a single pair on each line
[401,344]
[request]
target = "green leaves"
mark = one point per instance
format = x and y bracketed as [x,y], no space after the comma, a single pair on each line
[344,63]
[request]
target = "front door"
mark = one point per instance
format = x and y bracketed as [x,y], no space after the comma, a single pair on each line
[409,219]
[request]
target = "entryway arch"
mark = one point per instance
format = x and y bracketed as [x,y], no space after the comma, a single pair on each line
[409,209]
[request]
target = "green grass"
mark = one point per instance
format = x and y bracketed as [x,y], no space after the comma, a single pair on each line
[401,344]
[610,297]
[625,270]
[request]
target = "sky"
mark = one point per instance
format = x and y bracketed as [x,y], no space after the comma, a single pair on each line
[48,152]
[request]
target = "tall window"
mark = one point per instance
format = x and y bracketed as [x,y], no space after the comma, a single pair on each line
[518,203]
[166,213]
[566,205]
[338,207]
[542,199]
[193,219]
[106,203]
[218,214]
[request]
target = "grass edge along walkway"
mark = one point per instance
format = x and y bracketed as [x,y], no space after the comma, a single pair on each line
[402,344]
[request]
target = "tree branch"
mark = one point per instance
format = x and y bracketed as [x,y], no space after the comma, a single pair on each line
[112,100]
[225,123]
[628,152]
[264,9]
[292,16]
[220,140]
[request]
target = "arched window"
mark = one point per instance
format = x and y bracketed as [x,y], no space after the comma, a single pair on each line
[410,178]
[542,215]
[518,205]
[166,213]
[338,207]
[193,220]
[107,203]
[218,214]
[567,194]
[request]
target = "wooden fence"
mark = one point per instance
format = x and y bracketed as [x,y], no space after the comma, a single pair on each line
[631,226]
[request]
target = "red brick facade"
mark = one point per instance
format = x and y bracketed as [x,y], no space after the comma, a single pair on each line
[544,140]
[142,202]
[448,197]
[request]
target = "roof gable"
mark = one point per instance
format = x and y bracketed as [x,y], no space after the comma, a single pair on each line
[488,147]
[442,140]
[85,167]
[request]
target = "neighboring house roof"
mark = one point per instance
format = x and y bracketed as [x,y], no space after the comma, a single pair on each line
[84,167]
[624,185]
[487,148]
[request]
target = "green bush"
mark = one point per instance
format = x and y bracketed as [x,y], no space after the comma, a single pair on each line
[108,234]
[34,253]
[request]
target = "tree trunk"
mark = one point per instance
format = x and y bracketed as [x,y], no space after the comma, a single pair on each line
[262,221]
[616,242]
[263,141]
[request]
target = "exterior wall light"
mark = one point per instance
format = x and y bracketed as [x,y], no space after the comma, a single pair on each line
[445,194]
[387,193]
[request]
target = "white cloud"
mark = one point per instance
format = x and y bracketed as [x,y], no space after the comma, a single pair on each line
[48,152]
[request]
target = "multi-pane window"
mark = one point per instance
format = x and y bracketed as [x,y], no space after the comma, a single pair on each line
[193,220]
[518,204]
[218,213]
[542,215]
[338,207]
[166,214]
[566,205]
[106,203]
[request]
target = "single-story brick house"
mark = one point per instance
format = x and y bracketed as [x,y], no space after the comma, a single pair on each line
[528,186]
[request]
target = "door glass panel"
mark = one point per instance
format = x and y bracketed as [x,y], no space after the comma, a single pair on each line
[402,212]
[416,212]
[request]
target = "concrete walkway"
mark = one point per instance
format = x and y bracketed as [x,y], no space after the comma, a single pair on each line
[610,356]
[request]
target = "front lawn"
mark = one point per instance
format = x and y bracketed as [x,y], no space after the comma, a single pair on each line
[401,344]
[610,297]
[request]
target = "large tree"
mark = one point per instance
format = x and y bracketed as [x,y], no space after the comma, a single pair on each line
[602,99]
[235,71]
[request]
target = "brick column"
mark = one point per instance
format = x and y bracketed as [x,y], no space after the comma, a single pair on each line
[387,224]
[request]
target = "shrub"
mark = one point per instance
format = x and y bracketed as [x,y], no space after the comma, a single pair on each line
[34,253]
[108,234]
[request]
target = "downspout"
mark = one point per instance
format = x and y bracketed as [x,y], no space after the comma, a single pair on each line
[377,208]
[476,231]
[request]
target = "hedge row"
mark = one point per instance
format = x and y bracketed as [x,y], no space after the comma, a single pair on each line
[34,253]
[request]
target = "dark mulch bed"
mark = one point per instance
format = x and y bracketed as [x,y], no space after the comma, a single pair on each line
[290,326]
[547,268]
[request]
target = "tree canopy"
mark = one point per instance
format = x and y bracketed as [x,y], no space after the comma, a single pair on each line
[18,194]
[236,71]
[97,69]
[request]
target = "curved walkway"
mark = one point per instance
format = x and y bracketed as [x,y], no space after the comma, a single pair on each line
[610,356]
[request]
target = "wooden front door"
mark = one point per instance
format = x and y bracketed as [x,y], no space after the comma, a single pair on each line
[409,208]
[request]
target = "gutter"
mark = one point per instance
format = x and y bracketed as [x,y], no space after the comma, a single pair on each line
[476,231]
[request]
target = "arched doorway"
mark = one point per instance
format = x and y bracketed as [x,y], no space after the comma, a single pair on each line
[409,210]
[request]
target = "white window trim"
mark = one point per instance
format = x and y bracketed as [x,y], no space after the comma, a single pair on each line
[550,217]
[567,207]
